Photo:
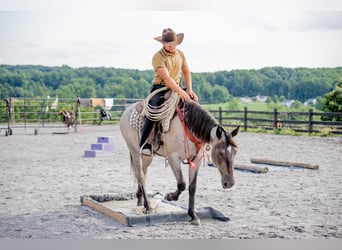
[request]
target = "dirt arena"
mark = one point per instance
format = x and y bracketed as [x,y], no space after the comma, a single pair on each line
[44,175]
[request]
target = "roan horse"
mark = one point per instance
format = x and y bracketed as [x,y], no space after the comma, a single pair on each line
[178,146]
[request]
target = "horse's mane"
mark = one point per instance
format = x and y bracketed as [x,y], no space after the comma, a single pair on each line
[199,121]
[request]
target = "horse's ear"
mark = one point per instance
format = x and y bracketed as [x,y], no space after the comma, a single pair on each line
[219,132]
[235,131]
[216,133]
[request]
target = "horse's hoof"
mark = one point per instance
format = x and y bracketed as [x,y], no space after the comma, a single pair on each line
[142,210]
[171,197]
[168,197]
[196,222]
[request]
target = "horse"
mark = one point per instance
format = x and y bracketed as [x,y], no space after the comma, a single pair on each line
[192,130]
[104,115]
[67,117]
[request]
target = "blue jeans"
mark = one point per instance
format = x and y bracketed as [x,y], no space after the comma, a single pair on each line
[155,101]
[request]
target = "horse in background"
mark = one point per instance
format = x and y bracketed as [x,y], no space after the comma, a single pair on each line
[105,115]
[191,131]
[68,117]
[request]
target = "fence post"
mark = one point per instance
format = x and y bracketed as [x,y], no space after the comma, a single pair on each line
[220,115]
[77,112]
[25,113]
[275,119]
[310,121]
[8,110]
[42,112]
[245,119]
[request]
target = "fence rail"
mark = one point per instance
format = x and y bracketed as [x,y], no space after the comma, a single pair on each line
[44,113]
[309,121]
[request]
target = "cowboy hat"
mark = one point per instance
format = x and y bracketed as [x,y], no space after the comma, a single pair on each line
[169,35]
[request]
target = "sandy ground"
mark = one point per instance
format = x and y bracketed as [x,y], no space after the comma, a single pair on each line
[43,176]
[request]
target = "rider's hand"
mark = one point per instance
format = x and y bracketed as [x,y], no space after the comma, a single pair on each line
[183,95]
[193,96]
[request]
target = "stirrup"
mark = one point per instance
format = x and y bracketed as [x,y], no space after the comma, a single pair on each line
[146,149]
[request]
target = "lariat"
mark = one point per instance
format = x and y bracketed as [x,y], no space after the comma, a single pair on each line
[164,110]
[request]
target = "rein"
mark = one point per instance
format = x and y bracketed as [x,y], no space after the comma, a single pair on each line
[190,136]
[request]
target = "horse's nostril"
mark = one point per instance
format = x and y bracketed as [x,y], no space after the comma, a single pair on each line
[227,184]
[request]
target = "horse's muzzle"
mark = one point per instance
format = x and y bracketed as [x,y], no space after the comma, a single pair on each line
[227,183]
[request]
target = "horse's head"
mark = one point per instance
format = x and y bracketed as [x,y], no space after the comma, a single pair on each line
[223,152]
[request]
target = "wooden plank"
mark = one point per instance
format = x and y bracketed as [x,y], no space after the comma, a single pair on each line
[97,206]
[247,167]
[284,163]
[124,210]
[251,168]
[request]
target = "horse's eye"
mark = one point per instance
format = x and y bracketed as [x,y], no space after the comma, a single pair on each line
[221,154]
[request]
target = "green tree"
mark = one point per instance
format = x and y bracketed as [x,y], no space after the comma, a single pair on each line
[143,88]
[131,88]
[206,92]
[268,100]
[296,105]
[66,91]
[234,104]
[319,103]
[332,101]
[4,91]
[275,99]
[220,94]
[38,81]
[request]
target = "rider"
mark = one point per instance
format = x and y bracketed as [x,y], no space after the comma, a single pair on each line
[169,63]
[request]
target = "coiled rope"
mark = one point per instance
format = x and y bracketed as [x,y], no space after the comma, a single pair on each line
[167,108]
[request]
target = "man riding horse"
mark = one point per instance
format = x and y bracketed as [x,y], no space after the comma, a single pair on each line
[169,63]
[187,133]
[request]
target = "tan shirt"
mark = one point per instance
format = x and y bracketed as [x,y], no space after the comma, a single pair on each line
[172,62]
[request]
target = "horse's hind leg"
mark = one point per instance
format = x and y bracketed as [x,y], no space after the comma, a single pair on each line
[139,196]
[140,167]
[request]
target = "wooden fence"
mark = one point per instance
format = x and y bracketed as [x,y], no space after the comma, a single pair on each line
[30,112]
[309,121]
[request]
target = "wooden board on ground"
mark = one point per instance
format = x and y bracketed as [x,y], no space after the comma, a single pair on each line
[251,168]
[246,168]
[124,209]
[284,163]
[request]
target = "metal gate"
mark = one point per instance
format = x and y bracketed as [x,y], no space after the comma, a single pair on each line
[40,115]
[28,115]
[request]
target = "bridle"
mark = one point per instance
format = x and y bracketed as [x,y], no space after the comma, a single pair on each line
[189,136]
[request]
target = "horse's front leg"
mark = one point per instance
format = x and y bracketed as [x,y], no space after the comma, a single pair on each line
[173,196]
[195,220]
[177,171]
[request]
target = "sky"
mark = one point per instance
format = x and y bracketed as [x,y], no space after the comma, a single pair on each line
[219,34]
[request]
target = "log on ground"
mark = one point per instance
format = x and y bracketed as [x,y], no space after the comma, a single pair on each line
[284,163]
[251,168]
